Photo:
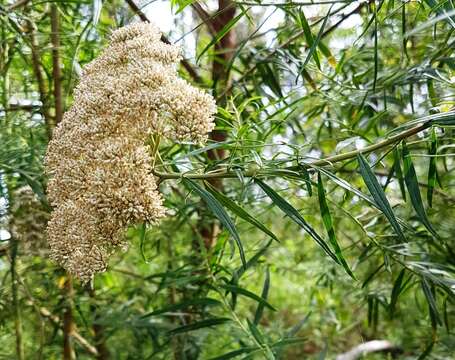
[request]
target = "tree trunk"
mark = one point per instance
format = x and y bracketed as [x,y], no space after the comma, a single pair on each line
[224,49]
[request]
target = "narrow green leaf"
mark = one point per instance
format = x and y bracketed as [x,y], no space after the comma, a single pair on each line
[345,185]
[198,325]
[412,184]
[328,54]
[270,78]
[328,223]
[432,167]
[315,42]
[142,236]
[219,212]
[432,95]
[443,119]
[306,178]
[446,314]
[323,353]
[396,290]
[427,351]
[295,216]
[222,33]
[265,293]
[234,353]
[296,328]
[241,291]
[399,172]
[236,209]
[203,302]
[287,342]
[255,332]
[433,308]
[378,194]
[251,262]
[308,35]
[182,4]
[370,277]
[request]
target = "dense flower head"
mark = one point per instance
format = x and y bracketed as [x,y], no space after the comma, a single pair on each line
[98,160]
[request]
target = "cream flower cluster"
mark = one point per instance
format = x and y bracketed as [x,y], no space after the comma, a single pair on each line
[99,162]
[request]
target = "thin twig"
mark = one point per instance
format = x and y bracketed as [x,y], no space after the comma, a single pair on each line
[68,322]
[205,17]
[290,41]
[292,3]
[78,337]
[98,329]
[17,4]
[321,162]
[16,305]
[37,69]
[56,69]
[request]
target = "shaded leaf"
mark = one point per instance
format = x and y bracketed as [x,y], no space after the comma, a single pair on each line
[328,223]
[345,185]
[198,325]
[255,332]
[295,216]
[236,209]
[234,353]
[251,262]
[396,290]
[219,212]
[370,277]
[432,168]
[378,194]
[306,178]
[184,305]
[265,293]
[270,78]
[399,172]
[241,291]
[433,308]
[412,184]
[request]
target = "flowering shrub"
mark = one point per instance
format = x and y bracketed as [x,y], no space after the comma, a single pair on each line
[98,160]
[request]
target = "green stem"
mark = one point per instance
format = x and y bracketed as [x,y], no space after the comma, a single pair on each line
[291,171]
[16,306]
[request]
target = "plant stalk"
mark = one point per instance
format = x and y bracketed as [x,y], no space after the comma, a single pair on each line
[223,174]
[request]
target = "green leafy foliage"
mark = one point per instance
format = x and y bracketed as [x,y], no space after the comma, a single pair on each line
[334,131]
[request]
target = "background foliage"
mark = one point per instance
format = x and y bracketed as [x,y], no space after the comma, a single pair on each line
[318,216]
